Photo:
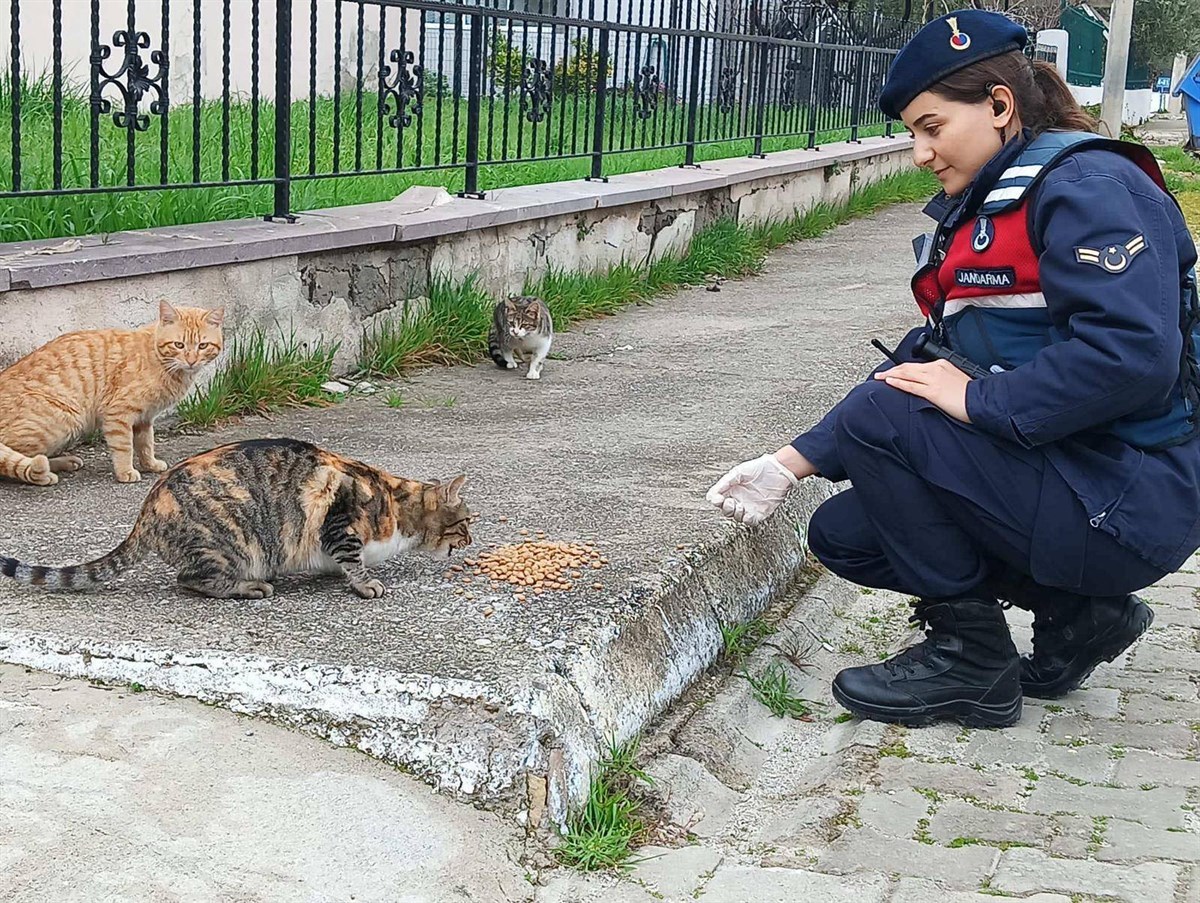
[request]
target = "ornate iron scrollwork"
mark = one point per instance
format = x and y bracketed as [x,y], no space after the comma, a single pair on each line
[537,90]
[402,90]
[727,90]
[132,80]
[791,92]
[645,92]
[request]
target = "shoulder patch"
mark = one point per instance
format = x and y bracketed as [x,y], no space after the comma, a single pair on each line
[1112,258]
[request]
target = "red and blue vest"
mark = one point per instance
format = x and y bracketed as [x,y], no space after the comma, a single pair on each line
[981,291]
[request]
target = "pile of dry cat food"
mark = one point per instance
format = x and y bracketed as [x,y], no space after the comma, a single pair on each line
[538,565]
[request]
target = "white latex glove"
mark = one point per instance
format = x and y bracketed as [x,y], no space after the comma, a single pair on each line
[752,491]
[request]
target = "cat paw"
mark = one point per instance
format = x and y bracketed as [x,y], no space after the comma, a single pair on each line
[66,464]
[156,465]
[534,374]
[510,365]
[253,589]
[371,589]
[128,476]
[39,472]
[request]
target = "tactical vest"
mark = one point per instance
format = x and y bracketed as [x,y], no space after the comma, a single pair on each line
[981,291]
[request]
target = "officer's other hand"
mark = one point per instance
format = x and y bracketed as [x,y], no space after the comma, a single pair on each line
[938,382]
[751,492]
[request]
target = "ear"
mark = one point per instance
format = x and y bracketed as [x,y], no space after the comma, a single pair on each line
[1004,106]
[450,491]
[215,317]
[166,313]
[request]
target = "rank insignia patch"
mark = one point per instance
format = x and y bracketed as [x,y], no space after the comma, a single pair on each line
[1113,258]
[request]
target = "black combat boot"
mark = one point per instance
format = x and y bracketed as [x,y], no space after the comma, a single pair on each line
[966,669]
[1073,634]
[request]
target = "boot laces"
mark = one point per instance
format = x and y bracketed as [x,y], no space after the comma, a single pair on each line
[909,660]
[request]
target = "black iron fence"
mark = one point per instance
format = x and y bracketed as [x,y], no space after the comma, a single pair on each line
[132,95]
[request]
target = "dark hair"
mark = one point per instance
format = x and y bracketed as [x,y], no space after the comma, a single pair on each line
[1043,99]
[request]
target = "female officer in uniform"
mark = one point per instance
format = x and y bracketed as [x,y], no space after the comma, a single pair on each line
[1065,474]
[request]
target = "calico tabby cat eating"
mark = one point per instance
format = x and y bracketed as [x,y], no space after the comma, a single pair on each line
[521,328]
[116,380]
[233,518]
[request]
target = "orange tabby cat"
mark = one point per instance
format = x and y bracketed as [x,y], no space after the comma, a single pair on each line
[116,380]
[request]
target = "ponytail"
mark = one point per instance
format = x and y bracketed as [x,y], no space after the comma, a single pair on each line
[1044,101]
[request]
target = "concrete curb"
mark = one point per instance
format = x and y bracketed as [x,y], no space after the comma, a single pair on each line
[492,744]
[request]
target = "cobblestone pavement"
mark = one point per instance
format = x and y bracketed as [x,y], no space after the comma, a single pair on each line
[1090,798]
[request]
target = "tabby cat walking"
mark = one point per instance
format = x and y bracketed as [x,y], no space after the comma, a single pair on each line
[232,519]
[522,328]
[116,380]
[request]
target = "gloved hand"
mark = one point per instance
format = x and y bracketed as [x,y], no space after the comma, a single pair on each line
[752,491]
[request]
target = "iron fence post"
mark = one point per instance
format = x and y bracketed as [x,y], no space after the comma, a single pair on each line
[760,115]
[601,103]
[474,89]
[283,113]
[857,105]
[693,104]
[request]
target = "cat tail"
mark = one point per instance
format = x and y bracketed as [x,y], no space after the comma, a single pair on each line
[495,351]
[79,577]
[16,466]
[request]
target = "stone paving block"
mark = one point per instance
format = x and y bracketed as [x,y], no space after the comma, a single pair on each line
[1138,768]
[675,874]
[1145,707]
[1072,836]
[1178,595]
[956,819]
[1179,578]
[962,868]
[1129,841]
[919,890]
[1191,893]
[806,822]
[566,887]
[1179,617]
[1025,871]
[1000,786]
[1149,657]
[1158,808]
[1167,738]
[694,798]
[1088,763]
[1177,685]
[894,812]
[740,884]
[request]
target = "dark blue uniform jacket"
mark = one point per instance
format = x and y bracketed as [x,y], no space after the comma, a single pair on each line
[1121,354]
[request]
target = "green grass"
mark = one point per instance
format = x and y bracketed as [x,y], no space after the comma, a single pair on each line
[774,690]
[441,141]
[603,833]
[261,376]
[739,640]
[394,400]
[452,329]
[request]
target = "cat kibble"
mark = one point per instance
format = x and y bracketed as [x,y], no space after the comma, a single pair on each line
[539,565]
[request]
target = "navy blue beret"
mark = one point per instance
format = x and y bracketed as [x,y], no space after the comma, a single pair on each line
[944,46]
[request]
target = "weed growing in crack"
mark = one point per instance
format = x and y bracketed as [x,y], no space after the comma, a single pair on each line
[773,689]
[603,833]
[739,640]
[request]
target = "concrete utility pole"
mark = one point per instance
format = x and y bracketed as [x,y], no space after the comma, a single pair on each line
[1116,65]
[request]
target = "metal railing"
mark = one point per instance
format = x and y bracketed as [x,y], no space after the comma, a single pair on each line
[193,94]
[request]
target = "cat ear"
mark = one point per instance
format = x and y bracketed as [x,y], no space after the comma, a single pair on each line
[166,313]
[215,317]
[451,490]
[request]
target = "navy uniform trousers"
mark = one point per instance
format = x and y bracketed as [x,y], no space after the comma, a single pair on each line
[937,507]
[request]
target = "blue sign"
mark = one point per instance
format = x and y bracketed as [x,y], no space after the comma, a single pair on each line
[1162,85]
